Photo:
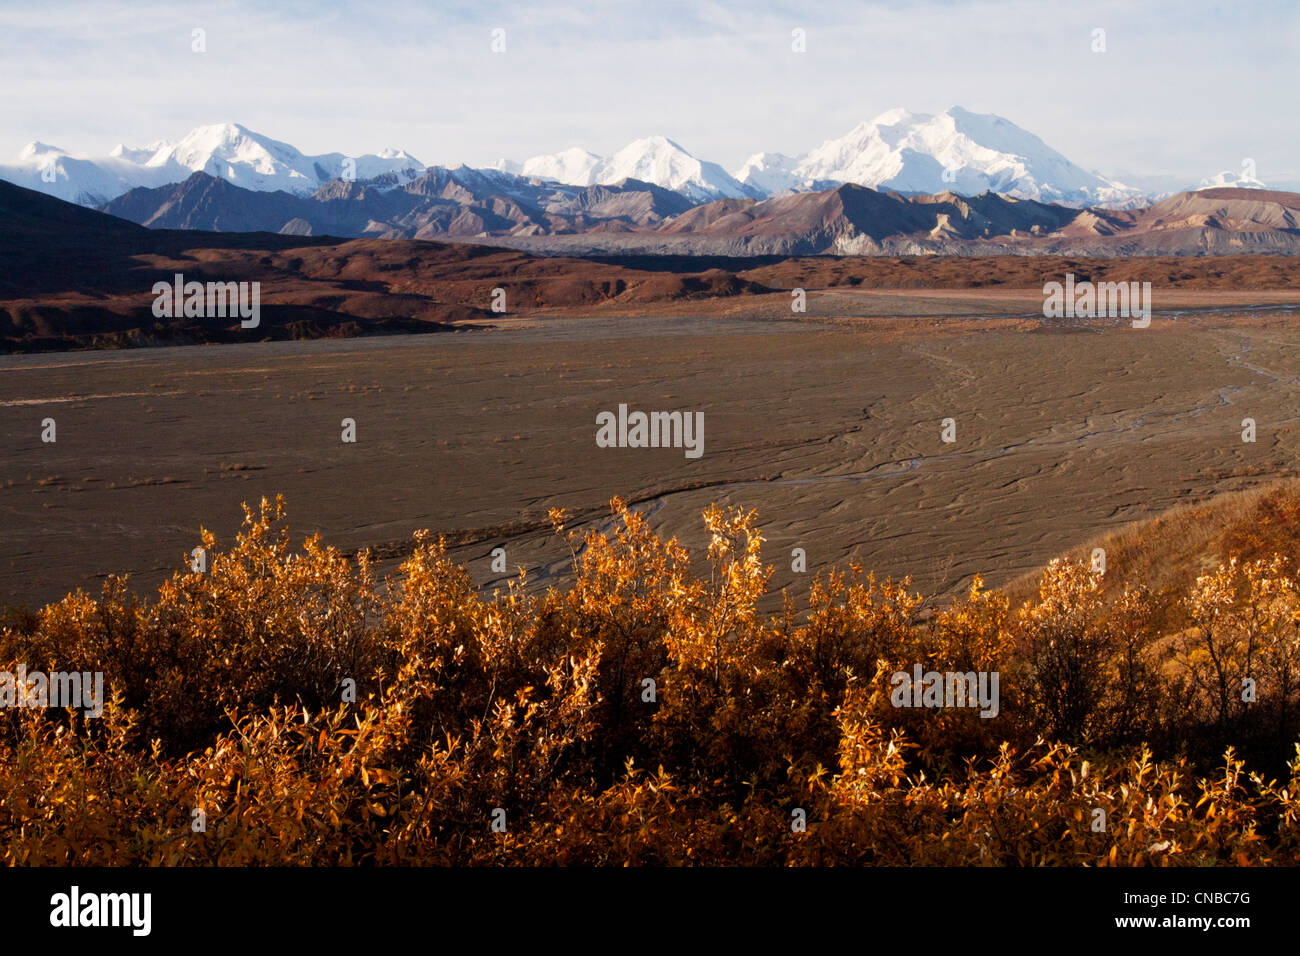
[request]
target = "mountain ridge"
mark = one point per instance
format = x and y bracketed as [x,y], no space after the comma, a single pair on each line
[633,217]
[898,150]
[227,150]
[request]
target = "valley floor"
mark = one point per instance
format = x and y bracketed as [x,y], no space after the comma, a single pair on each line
[828,425]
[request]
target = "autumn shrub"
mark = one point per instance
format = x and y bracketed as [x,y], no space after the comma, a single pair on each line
[1239,661]
[287,706]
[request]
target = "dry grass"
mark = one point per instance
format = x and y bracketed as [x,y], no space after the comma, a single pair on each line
[1167,553]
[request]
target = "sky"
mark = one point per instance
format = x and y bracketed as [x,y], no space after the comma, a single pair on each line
[1184,88]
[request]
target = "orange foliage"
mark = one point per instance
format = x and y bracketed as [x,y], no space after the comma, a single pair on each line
[643,714]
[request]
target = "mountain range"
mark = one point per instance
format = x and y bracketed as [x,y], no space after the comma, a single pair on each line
[228,151]
[78,278]
[461,202]
[901,184]
[957,150]
[634,217]
[909,153]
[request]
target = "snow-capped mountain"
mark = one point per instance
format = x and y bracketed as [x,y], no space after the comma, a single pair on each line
[229,151]
[957,150]
[254,161]
[770,173]
[655,159]
[570,166]
[660,161]
[89,182]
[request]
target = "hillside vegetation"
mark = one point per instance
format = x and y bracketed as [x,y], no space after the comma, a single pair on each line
[646,714]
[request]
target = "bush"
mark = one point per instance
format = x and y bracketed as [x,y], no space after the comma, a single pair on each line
[286,707]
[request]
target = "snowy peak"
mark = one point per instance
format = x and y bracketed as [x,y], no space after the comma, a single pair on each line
[138,156]
[245,158]
[768,173]
[226,150]
[58,173]
[956,150]
[896,117]
[573,166]
[39,151]
[231,152]
[658,160]
[224,141]
[655,159]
